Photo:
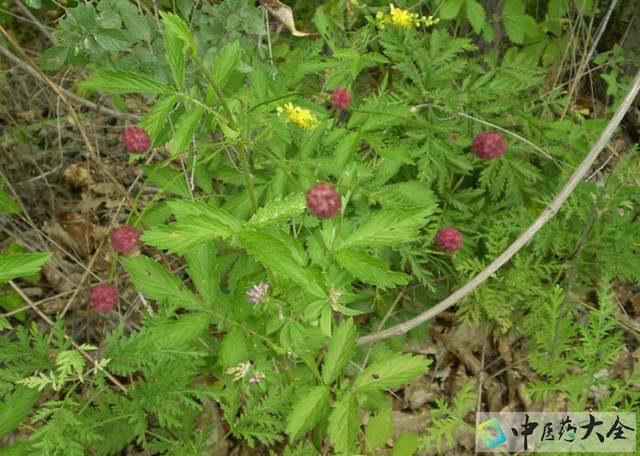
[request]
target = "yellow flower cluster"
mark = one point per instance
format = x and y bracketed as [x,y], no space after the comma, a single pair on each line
[299,116]
[402,18]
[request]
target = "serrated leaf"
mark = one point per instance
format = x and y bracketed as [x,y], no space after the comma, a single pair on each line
[226,62]
[35,4]
[406,195]
[203,270]
[369,269]
[475,15]
[185,128]
[168,179]
[181,333]
[342,346]
[176,57]
[7,204]
[379,429]
[233,349]
[406,444]
[388,227]
[53,58]
[187,233]
[111,40]
[136,24]
[344,424]
[176,42]
[156,118]
[307,411]
[155,282]
[391,372]
[279,210]
[14,265]
[118,81]
[177,27]
[15,408]
[450,9]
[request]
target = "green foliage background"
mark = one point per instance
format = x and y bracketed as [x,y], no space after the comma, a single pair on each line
[213,76]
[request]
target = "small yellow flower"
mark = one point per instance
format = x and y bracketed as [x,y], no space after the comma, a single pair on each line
[403,18]
[299,116]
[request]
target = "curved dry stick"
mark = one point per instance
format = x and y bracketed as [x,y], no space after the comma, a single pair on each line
[546,215]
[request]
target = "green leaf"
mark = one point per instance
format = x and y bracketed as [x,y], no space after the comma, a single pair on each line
[168,179]
[118,81]
[53,58]
[179,334]
[475,15]
[307,411]
[35,4]
[379,429]
[189,232]
[388,227]
[279,210]
[226,62]
[155,282]
[176,46]
[346,148]
[344,424]
[8,205]
[137,25]
[519,26]
[17,449]
[203,270]
[233,349]
[156,118]
[275,255]
[15,408]
[391,372]
[14,265]
[450,9]
[176,26]
[185,128]
[111,40]
[406,444]
[342,346]
[12,301]
[516,23]
[369,269]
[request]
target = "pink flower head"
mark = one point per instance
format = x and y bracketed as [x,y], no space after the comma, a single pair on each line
[135,140]
[489,145]
[341,98]
[258,293]
[103,297]
[125,238]
[448,239]
[323,200]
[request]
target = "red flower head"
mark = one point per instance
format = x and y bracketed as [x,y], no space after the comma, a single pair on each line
[135,140]
[448,239]
[488,145]
[341,98]
[323,200]
[103,297]
[124,239]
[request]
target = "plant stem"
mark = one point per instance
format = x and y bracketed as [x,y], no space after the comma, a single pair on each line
[216,87]
[246,170]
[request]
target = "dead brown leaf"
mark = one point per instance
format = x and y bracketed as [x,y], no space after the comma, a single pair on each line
[284,14]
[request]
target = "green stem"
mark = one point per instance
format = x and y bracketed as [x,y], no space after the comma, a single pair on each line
[246,170]
[216,87]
